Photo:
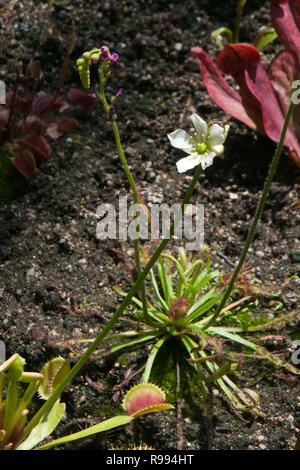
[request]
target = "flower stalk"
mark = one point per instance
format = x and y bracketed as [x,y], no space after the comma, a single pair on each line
[256,218]
[112,119]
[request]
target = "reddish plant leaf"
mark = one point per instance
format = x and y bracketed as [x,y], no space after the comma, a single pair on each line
[52,130]
[44,105]
[32,125]
[234,58]
[258,98]
[286,21]
[273,119]
[55,129]
[79,97]
[38,145]
[24,162]
[283,71]
[66,124]
[224,96]
[22,105]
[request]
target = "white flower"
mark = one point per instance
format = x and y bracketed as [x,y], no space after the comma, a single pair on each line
[201,146]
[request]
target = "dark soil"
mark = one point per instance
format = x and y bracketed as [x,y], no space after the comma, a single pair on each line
[57,278]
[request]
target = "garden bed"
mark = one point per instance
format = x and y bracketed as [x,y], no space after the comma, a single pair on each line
[57,279]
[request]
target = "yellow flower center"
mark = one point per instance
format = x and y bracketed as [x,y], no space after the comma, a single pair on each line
[201,147]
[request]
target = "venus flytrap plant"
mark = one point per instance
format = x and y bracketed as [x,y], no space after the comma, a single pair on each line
[187,312]
[14,410]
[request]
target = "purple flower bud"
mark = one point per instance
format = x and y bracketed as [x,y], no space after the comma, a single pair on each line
[115,57]
[119,92]
[105,53]
[112,111]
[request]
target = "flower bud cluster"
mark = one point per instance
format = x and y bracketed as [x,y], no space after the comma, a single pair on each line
[109,63]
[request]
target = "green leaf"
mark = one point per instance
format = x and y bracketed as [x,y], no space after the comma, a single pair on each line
[140,339]
[264,37]
[152,357]
[106,425]
[45,427]
[222,31]
[203,305]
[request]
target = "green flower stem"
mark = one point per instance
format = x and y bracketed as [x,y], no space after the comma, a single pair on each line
[240,10]
[256,218]
[134,192]
[94,345]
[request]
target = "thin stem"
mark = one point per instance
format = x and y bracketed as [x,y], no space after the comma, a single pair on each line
[136,201]
[256,217]
[239,16]
[179,424]
[94,345]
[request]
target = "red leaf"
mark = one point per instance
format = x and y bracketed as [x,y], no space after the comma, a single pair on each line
[273,119]
[283,71]
[21,105]
[37,145]
[66,124]
[79,97]
[234,58]
[222,93]
[286,21]
[56,128]
[24,162]
[44,104]
[32,125]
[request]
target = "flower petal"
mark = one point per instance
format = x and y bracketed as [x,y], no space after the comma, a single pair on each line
[200,126]
[216,135]
[207,159]
[218,149]
[187,163]
[180,139]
